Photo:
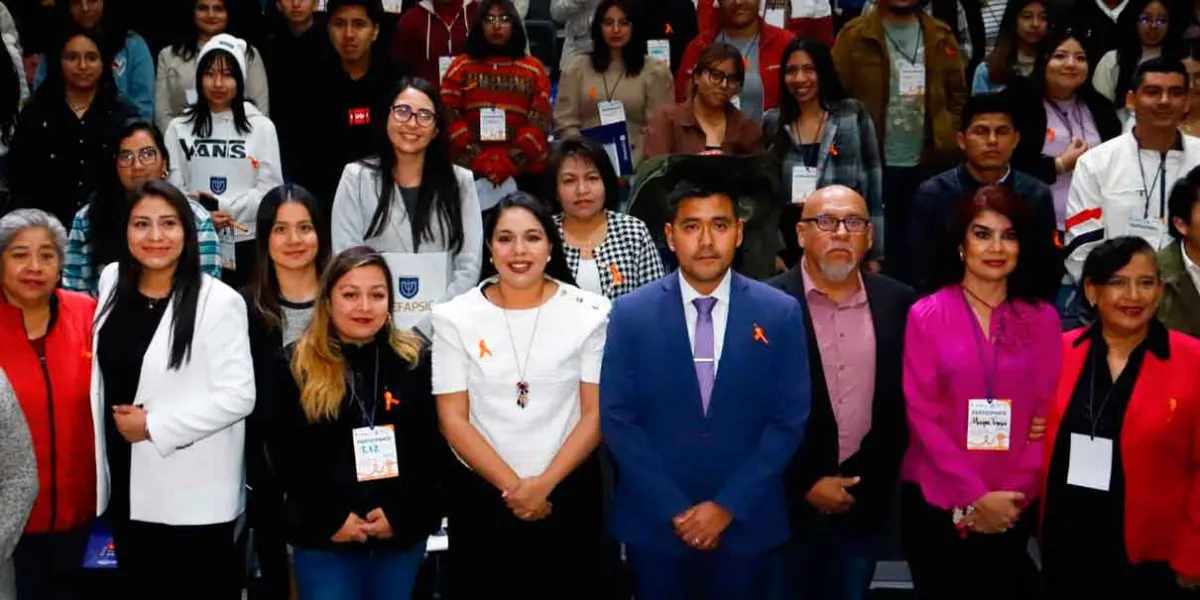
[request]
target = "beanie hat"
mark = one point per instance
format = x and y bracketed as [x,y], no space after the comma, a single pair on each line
[234,46]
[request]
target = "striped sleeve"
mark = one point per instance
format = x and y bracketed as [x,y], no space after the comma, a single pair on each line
[210,244]
[1085,217]
[77,274]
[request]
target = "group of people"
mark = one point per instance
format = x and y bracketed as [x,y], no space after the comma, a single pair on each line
[304,330]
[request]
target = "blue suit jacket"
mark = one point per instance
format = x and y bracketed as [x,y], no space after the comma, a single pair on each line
[670,455]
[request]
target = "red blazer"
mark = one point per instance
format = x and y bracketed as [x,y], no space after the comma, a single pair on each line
[58,408]
[770,58]
[1160,451]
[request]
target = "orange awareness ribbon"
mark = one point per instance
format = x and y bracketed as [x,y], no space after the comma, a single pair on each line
[483,349]
[759,336]
[389,400]
[617,277]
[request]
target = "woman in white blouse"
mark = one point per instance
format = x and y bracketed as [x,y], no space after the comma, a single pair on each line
[516,371]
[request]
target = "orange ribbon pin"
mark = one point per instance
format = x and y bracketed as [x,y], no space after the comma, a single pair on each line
[389,400]
[833,150]
[86,354]
[670,30]
[253,161]
[483,349]
[617,277]
[592,93]
[1051,133]
[759,336]
[1172,404]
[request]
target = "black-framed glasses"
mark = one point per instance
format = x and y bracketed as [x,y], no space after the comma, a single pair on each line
[494,19]
[404,113]
[719,78]
[1156,21]
[829,223]
[144,156]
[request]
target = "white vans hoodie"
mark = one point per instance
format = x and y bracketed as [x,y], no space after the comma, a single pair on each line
[238,169]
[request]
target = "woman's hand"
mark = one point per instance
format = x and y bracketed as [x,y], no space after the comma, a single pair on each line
[377,525]
[1037,429]
[131,422]
[997,512]
[529,499]
[224,220]
[352,531]
[1071,156]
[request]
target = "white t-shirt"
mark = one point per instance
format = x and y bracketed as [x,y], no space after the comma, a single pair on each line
[473,352]
[588,276]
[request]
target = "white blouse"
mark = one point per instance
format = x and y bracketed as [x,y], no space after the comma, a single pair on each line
[474,352]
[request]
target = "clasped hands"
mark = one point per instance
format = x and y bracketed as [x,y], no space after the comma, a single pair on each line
[528,499]
[701,526]
[358,529]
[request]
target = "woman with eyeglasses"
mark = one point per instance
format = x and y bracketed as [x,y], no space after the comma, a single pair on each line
[981,360]
[98,235]
[616,81]
[708,122]
[412,205]
[1146,29]
[1024,25]
[1122,471]
[498,100]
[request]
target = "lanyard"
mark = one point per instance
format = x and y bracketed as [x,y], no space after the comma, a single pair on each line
[989,376]
[608,94]
[749,47]
[1160,179]
[1094,416]
[1066,119]
[368,415]
[912,60]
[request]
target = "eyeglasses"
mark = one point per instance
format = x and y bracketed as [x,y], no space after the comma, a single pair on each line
[494,19]
[622,23]
[719,78]
[829,223]
[1156,21]
[144,156]
[404,114]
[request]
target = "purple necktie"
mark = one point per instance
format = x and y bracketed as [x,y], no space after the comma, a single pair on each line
[703,354]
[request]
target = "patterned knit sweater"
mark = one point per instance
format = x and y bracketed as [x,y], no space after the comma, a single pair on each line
[518,86]
[18,481]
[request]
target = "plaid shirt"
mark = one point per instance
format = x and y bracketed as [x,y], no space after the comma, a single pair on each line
[627,258]
[79,275]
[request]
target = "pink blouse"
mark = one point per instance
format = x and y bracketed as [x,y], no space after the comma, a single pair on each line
[944,369]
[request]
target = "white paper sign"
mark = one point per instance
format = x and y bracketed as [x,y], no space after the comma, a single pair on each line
[1090,464]
[492,126]
[490,195]
[989,424]
[418,280]
[228,241]
[912,80]
[804,183]
[611,112]
[443,66]
[1152,230]
[393,6]
[660,50]
[375,452]
[776,17]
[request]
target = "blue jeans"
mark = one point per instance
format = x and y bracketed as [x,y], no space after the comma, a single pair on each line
[377,575]
[826,559]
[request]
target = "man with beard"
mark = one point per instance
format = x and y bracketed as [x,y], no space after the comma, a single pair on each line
[988,138]
[840,483]
[907,68]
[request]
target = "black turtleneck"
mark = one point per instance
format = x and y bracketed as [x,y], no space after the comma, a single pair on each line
[316,460]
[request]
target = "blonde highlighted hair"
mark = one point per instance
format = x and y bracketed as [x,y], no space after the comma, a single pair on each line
[318,364]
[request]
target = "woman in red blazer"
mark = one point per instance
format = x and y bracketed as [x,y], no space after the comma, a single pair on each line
[1122,501]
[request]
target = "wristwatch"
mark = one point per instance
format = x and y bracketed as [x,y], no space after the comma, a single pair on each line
[961,514]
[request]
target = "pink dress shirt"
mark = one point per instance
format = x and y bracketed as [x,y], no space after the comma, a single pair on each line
[943,370]
[846,339]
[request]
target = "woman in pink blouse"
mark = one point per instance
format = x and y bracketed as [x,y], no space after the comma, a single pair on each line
[982,358]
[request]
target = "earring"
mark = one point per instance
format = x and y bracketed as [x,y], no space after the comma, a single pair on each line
[491,260]
[961,257]
[547,260]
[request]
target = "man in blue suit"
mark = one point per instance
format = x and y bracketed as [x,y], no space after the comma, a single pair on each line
[703,398]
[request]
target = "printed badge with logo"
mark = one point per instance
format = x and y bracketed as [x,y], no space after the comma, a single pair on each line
[218,185]
[409,287]
[360,116]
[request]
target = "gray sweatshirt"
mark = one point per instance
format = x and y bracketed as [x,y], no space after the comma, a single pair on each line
[18,482]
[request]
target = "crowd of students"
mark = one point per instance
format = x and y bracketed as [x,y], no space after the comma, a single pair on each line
[301,321]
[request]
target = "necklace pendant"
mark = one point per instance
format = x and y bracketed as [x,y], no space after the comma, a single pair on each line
[522,394]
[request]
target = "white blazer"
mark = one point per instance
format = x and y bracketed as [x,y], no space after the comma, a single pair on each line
[192,472]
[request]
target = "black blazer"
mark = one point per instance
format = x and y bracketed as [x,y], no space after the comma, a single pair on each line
[1029,113]
[877,461]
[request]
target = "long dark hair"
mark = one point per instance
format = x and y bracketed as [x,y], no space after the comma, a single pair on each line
[185,290]
[108,211]
[1038,272]
[1056,38]
[199,114]
[439,192]
[240,12]
[478,47]
[1004,54]
[1129,43]
[589,150]
[557,267]
[829,87]
[113,23]
[264,289]
[54,87]
[634,52]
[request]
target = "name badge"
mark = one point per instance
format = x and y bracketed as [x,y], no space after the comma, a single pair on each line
[375,453]
[359,116]
[1152,230]
[659,50]
[611,112]
[1090,465]
[228,248]
[191,96]
[776,17]
[492,126]
[912,80]
[989,424]
[804,183]
[736,101]
[443,66]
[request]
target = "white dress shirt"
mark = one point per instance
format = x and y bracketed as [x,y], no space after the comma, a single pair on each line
[587,277]
[720,313]
[1193,270]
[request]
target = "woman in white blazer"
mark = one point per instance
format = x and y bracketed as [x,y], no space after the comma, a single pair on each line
[172,382]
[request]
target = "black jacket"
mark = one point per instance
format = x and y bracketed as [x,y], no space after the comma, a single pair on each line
[1085,15]
[1029,112]
[933,211]
[58,160]
[674,21]
[316,460]
[877,461]
[291,60]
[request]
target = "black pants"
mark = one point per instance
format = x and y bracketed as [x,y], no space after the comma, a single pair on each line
[899,186]
[245,253]
[50,565]
[945,565]
[493,554]
[198,562]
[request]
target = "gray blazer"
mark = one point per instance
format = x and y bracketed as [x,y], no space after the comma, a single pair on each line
[18,482]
